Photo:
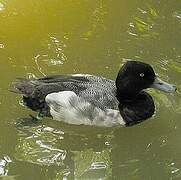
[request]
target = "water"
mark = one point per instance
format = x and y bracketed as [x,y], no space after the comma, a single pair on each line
[89,36]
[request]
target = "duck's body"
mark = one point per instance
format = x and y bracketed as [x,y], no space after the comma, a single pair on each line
[74,99]
[92,100]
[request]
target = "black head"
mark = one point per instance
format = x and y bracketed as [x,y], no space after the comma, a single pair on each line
[133,77]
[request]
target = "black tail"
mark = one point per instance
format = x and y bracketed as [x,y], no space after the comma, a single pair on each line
[31,96]
[23,86]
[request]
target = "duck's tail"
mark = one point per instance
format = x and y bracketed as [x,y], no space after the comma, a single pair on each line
[23,86]
[32,96]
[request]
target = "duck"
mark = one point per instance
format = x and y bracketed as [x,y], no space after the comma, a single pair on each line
[84,99]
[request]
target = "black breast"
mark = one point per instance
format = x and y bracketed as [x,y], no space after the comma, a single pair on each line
[138,110]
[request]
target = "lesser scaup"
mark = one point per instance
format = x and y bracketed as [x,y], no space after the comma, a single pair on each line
[92,100]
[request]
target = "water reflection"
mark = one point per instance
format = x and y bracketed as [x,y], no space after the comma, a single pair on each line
[51,55]
[4,163]
[80,156]
[2,6]
[97,21]
[143,23]
[85,153]
[139,158]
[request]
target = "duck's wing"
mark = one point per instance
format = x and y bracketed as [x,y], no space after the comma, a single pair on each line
[68,107]
[49,84]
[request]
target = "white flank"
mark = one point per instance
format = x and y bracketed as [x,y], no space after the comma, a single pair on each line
[68,107]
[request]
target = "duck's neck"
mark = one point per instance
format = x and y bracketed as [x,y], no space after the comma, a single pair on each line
[137,108]
[127,97]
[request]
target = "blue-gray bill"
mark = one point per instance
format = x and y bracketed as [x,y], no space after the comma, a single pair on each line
[163,86]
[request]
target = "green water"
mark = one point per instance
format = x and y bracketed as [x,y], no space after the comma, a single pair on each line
[96,37]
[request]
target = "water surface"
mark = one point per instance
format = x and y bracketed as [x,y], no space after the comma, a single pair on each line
[44,37]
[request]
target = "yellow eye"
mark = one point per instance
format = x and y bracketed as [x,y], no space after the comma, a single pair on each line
[142,74]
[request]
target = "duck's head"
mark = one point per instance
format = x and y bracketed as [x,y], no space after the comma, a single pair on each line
[134,76]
